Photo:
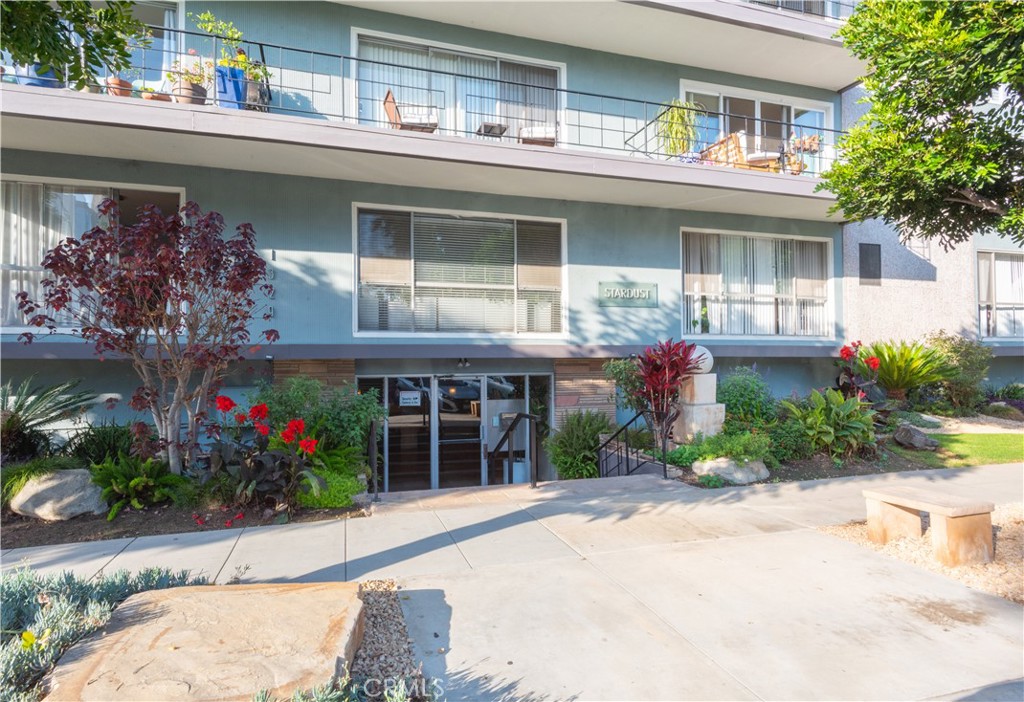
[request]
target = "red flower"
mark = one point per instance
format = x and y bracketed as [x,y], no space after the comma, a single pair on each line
[297,426]
[240,418]
[308,445]
[200,521]
[240,515]
[263,429]
[872,362]
[288,436]
[228,523]
[259,412]
[847,353]
[225,404]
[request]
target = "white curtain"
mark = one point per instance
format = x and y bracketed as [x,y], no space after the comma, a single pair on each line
[1009,292]
[36,218]
[404,69]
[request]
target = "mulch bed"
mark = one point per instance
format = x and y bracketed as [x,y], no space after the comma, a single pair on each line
[18,532]
[820,466]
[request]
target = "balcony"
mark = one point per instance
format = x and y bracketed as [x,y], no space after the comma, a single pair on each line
[825,9]
[500,122]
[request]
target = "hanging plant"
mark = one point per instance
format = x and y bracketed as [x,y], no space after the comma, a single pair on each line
[677,127]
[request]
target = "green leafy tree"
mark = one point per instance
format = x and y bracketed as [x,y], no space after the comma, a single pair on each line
[939,153]
[76,38]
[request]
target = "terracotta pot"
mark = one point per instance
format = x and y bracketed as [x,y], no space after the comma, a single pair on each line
[118,87]
[160,97]
[189,93]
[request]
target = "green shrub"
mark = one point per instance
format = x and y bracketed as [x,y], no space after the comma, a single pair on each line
[341,472]
[915,419]
[41,616]
[641,438]
[336,416]
[26,409]
[630,392]
[13,476]
[970,361]
[1003,412]
[130,480]
[833,423]
[711,482]
[788,441]
[1010,391]
[747,396]
[904,366]
[742,447]
[573,448]
[99,441]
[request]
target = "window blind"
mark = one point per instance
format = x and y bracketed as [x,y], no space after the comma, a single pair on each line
[425,272]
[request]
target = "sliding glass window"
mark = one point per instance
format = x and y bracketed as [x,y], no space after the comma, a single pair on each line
[425,272]
[1001,294]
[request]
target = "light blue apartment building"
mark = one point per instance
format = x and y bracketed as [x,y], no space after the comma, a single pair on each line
[470,206]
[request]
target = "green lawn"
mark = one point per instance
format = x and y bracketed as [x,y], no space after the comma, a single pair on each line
[959,450]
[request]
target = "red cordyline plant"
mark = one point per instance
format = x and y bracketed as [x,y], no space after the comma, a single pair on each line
[664,368]
[171,295]
[857,374]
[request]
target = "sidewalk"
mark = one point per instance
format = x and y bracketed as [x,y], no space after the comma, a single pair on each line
[638,589]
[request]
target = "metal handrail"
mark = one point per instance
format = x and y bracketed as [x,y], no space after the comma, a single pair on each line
[629,455]
[345,88]
[508,437]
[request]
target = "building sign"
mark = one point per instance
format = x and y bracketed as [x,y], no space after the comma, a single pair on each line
[409,398]
[627,294]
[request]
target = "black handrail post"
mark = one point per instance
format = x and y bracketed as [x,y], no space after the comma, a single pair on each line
[534,468]
[664,457]
[372,450]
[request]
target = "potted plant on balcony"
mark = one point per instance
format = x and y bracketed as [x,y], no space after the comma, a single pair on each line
[190,79]
[677,130]
[152,94]
[239,79]
[120,84]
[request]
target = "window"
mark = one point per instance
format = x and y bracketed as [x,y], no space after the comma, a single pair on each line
[425,272]
[460,91]
[920,245]
[748,285]
[1001,294]
[870,257]
[36,217]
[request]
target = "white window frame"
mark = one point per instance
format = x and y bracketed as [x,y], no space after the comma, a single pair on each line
[977,289]
[830,286]
[790,101]
[356,332]
[77,182]
[352,91]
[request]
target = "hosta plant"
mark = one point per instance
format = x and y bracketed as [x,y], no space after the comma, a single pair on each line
[904,366]
[842,426]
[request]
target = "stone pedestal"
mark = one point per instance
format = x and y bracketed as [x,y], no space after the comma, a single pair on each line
[698,411]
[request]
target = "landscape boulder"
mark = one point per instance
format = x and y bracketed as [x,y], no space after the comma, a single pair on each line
[59,495]
[910,436]
[736,472]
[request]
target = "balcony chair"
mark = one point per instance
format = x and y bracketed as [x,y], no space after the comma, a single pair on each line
[732,151]
[412,123]
[540,135]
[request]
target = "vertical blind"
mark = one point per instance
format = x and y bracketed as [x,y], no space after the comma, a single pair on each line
[1001,294]
[422,272]
[461,90]
[745,285]
[37,217]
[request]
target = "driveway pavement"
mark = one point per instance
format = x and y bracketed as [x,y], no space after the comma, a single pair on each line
[634,588]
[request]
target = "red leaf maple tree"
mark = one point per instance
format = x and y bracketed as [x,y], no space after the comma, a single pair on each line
[169,294]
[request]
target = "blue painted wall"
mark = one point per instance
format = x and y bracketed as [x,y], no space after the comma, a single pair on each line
[304,227]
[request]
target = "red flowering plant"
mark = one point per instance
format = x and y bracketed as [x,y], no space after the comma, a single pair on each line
[663,368]
[858,374]
[272,469]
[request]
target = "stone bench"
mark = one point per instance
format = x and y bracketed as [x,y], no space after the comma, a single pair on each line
[961,528]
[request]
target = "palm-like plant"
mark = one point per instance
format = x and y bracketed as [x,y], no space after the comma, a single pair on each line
[25,409]
[903,366]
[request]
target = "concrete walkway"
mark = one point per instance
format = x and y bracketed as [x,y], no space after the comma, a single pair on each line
[634,588]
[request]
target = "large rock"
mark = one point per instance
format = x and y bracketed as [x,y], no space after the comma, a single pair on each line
[736,472]
[908,435]
[216,643]
[59,495]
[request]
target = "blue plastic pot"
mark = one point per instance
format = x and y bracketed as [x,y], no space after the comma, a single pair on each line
[30,75]
[231,87]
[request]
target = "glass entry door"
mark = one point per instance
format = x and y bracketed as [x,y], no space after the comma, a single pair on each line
[460,431]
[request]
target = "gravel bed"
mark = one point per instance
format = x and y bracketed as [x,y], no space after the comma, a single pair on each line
[1004,576]
[979,424]
[386,651]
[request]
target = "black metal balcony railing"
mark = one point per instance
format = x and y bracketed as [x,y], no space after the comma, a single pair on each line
[337,88]
[830,9]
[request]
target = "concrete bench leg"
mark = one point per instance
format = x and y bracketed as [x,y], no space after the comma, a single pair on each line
[962,540]
[887,522]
